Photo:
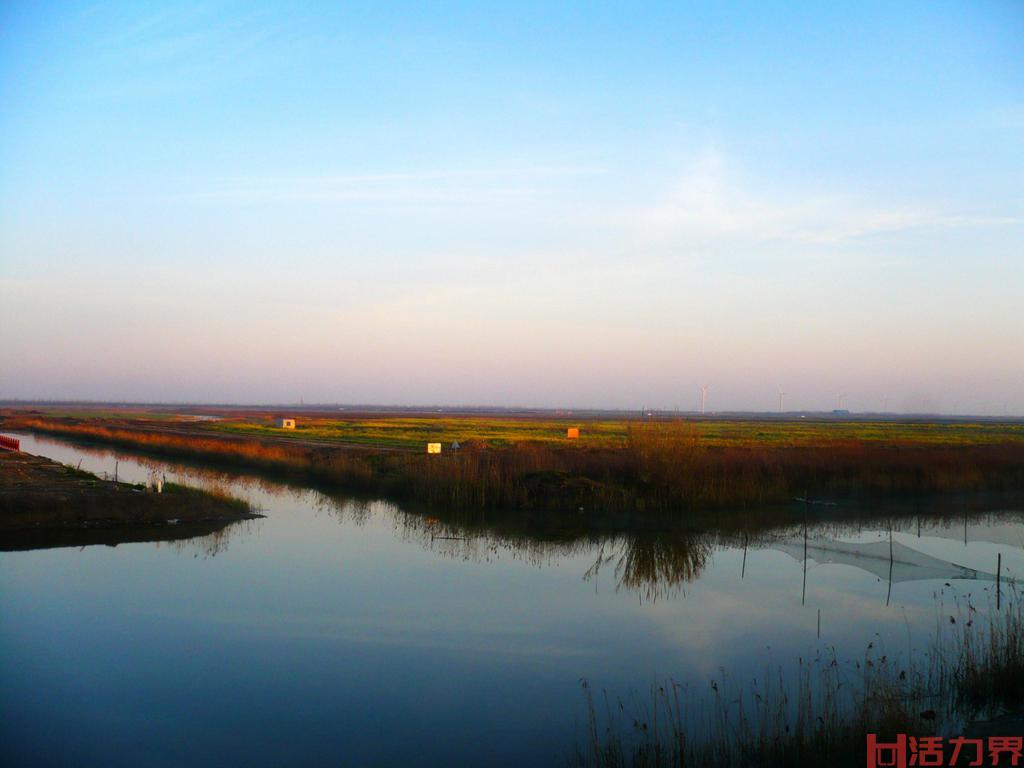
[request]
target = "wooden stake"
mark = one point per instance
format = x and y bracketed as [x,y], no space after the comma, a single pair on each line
[999,568]
[803,595]
[888,595]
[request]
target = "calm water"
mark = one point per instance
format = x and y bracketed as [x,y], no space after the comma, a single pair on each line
[336,632]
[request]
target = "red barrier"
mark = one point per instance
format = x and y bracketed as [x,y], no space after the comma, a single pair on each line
[10,443]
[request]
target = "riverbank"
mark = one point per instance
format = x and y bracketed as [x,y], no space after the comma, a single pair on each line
[663,469]
[303,578]
[42,500]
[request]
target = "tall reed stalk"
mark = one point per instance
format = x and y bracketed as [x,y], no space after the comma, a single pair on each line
[822,713]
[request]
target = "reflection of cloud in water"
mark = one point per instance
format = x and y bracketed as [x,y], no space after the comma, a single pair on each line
[404,632]
[747,629]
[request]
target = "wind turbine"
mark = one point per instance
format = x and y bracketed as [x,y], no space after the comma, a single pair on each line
[703,398]
[782,399]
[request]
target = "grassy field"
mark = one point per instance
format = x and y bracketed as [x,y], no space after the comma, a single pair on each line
[415,432]
[134,414]
[662,467]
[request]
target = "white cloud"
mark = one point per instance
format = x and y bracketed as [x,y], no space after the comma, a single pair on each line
[712,202]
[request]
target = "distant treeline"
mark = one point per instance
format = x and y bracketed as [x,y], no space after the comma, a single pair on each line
[664,468]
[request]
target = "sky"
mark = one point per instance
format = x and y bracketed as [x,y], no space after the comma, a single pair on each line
[536,204]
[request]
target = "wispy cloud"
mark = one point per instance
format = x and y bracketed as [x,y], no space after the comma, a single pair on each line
[177,50]
[433,186]
[711,202]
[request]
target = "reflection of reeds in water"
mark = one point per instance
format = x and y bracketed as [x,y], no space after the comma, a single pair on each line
[651,565]
[212,544]
[655,566]
[822,713]
[482,544]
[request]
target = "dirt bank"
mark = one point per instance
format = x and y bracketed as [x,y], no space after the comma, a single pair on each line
[38,494]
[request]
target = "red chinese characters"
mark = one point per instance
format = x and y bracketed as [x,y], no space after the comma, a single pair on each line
[921,752]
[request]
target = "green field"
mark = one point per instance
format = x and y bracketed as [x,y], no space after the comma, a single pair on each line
[650,466]
[413,432]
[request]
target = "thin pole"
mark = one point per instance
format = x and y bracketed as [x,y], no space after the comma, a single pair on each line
[999,568]
[743,570]
[803,595]
[819,623]
[888,595]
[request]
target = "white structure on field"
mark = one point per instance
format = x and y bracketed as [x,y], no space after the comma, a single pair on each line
[284,423]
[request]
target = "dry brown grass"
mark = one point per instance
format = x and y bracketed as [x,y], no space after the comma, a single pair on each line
[822,713]
[665,468]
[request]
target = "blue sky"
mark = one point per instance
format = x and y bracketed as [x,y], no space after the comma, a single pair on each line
[537,204]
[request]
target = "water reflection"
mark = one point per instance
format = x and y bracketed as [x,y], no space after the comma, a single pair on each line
[448,625]
[649,558]
[205,538]
[889,561]
[213,543]
[655,566]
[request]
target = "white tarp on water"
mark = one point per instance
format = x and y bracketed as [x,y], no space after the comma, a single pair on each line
[889,561]
[1009,534]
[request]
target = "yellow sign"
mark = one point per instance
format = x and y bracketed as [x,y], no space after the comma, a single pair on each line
[433,447]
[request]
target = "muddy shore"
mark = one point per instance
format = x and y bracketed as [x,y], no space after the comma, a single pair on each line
[41,499]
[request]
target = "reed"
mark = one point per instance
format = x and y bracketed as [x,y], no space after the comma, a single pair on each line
[822,713]
[988,668]
[664,468]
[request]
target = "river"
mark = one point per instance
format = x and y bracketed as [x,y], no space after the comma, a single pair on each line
[337,631]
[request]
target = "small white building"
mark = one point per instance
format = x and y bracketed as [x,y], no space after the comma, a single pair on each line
[284,423]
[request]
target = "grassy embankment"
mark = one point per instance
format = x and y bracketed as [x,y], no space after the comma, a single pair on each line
[821,716]
[38,494]
[413,432]
[639,467]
